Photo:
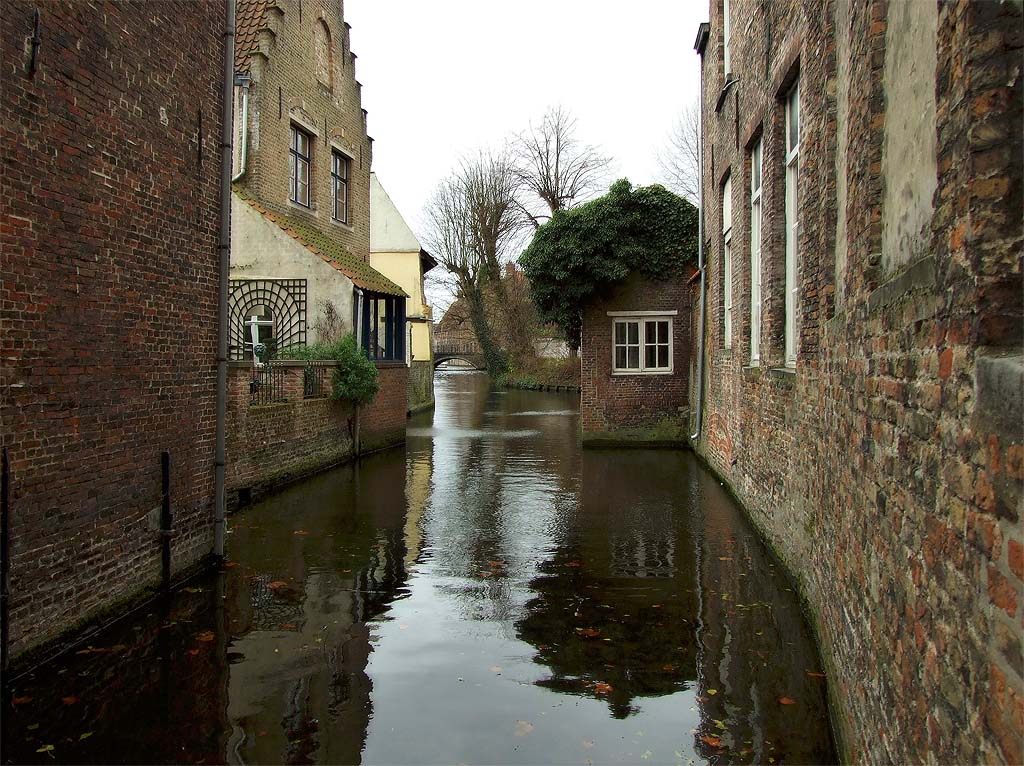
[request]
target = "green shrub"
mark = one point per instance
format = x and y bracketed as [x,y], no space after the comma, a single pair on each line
[355,376]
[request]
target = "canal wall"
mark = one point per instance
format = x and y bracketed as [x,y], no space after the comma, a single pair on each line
[271,444]
[108,226]
[885,466]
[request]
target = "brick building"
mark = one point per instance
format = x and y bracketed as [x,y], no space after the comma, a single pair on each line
[300,255]
[863,373]
[110,129]
[635,362]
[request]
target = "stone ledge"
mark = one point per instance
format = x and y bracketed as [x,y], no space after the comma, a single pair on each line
[999,392]
[920,276]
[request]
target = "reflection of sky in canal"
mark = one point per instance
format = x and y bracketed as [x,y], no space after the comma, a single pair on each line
[490,594]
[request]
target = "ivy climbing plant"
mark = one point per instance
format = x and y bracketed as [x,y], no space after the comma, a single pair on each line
[580,253]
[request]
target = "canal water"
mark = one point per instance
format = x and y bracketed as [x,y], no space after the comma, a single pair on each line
[489,594]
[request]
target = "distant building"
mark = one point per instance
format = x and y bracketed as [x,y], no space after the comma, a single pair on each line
[395,251]
[862,195]
[455,342]
[110,130]
[635,362]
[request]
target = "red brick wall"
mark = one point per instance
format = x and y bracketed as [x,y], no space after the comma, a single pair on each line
[887,468]
[612,402]
[382,421]
[270,445]
[108,225]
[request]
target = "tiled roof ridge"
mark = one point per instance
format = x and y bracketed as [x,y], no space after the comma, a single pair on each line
[360,272]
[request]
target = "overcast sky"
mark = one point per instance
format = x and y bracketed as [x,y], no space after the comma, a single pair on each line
[445,77]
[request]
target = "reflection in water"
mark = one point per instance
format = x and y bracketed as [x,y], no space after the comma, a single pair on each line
[489,594]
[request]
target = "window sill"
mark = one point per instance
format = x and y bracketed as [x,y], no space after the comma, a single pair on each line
[645,373]
[785,375]
[307,209]
[342,225]
[379,363]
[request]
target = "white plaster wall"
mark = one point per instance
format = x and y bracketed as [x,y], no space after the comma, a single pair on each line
[909,164]
[261,250]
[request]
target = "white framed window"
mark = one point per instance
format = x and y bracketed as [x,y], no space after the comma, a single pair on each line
[726,48]
[642,344]
[727,263]
[339,182]
[792,218]
[755,254]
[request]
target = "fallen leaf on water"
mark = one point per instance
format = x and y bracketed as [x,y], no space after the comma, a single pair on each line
[45,749]
[193,590]
[712,691]
[495,564]
[287,626]
[587,744]
[668,668]
[301,533]
[86,735]
[588,632]
[32,726]
[403,627]
[523,728]
[786,701]
[719,724]
[812,674]
[261,734]
[195,651]
[69,700]
[602,688]
[710,739]
[20,700]
[230,564]
[277,585]
[206,635]
[574,564]
[486,574]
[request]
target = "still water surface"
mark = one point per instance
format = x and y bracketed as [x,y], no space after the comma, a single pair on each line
[490,594]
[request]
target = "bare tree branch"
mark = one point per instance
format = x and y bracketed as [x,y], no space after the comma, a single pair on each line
[679,159]
[554,167]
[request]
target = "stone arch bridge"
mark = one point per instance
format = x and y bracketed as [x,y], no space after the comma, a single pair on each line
[469,352]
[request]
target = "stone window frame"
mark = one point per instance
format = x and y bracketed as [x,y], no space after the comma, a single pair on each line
[295,157]
[791,217]
[641,319]
[336,155]
[728,306]
[755,209]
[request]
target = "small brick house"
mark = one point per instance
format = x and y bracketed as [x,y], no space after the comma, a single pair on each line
[636,362]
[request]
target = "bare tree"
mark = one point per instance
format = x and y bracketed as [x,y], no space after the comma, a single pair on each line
[554,167]
[679,159]
[471,224]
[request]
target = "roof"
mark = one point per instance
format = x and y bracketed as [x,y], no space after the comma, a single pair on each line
[703,32]
[249,22]
[362,274]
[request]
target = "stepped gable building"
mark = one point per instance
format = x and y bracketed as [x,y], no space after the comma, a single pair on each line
[110,130]
[396,252]
[862,189]
[301,213]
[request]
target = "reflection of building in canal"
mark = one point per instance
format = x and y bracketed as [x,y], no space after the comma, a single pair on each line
[613,606]
[299,690]
[417,491]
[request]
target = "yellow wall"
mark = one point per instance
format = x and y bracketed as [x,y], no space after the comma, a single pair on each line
[404,270]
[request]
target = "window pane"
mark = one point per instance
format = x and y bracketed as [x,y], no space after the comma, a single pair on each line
[650,356]
[620,357]
[620,332]
[634,332]
[663,356]
[662,332]
[793,117]
[634,357]
[650,332]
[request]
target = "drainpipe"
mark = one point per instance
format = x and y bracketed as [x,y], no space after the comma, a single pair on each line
[224,253]
[243,80]
[700,252]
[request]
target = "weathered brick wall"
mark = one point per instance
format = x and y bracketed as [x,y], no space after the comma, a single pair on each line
[108,225]
[270,445]
[886,469]
[421,385]
[382,421]
[613,402]
[286,90]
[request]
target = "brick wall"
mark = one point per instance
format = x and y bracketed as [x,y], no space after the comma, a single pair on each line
[613,402]
[271,445]
[886,467]
[108,225]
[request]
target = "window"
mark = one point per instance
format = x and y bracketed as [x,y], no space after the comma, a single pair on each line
[726,52]
[299,167]
[755,254]
[339,179]
[381,326]
[642,344]
[727,263]
[260,337]
[792,217]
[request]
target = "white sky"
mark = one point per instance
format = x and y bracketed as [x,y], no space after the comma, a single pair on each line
[442,78]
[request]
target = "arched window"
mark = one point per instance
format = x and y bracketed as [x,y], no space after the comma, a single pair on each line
[324,55]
